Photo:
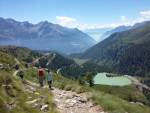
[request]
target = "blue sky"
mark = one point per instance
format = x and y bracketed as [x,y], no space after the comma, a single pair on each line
[84,14]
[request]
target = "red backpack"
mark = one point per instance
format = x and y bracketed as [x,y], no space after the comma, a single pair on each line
[41,72]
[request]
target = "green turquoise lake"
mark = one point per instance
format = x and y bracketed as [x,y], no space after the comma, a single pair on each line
[102,79]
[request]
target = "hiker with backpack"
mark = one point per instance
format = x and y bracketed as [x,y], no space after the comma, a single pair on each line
[21,74]
[49,78]
[16,66]
[41,76]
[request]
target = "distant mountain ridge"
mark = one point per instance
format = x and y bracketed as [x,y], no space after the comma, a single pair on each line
[127,51]
[43,36]
[97,33]
[102,33]
[121,29]
[115,30]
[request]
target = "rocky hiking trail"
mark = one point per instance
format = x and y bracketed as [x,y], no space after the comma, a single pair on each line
[66,101]
[71,102]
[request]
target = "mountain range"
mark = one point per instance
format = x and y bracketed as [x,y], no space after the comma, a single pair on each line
[102,33]
[43,36]
[127,52]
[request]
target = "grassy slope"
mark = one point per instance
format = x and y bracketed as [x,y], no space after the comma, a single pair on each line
[6,59]
[80,61]
[12,90]
[18,52]
[110,102]
[116,102]
[129,93]
[21,53]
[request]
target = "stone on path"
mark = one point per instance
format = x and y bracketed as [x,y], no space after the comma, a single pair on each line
[32,101]
[44,107]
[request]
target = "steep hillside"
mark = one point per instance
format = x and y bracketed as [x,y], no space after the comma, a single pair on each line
[21,53]
[43,36]
[17,96]
[59,63]
[67,66]
[126,52]
[6,59]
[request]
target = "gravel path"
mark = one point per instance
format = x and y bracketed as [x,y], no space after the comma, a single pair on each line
[71,102]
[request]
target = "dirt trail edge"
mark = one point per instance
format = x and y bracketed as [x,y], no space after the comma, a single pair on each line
[71,102]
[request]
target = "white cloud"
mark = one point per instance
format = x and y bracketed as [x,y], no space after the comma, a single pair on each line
[67,21]
[123,18]
[145,14]
[74,23]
